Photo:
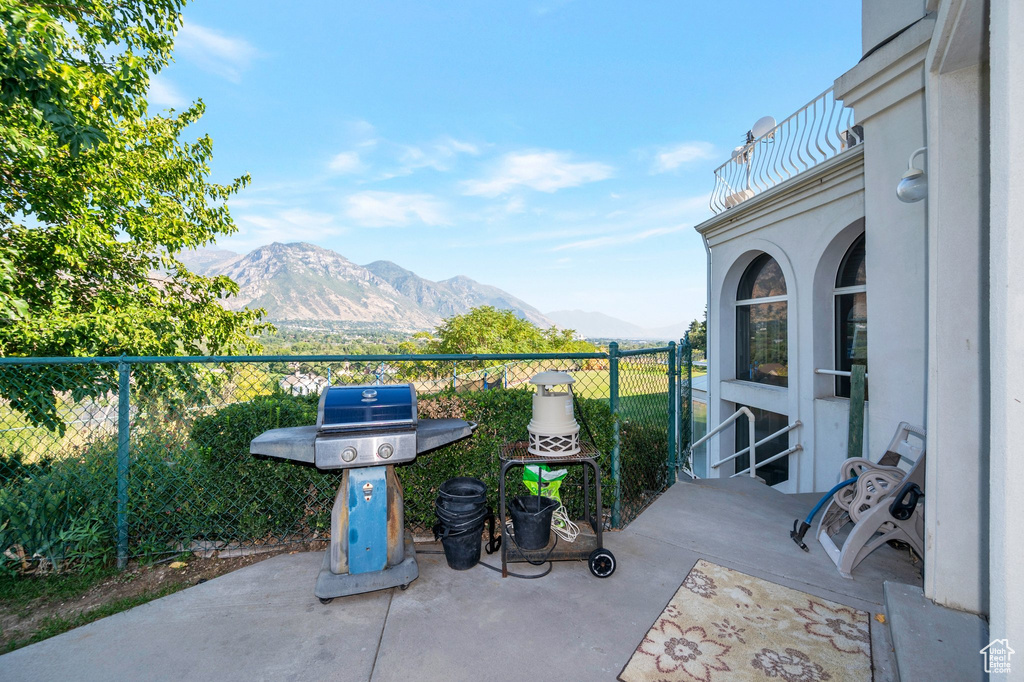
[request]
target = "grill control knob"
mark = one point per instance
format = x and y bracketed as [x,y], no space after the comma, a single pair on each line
[385,450]
[349,454]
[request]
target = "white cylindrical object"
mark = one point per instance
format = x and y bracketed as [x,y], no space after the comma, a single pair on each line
[552,414]
[553,428]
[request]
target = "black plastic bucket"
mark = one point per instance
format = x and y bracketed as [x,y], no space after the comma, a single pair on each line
[452,524]
[449,506]
[463,489]
[461,508]
[462,551]
[531,520]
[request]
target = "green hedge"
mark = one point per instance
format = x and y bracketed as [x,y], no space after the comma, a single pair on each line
[201,483]
[256,498]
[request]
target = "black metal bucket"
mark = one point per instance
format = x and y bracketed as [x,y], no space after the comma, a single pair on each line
[531,520]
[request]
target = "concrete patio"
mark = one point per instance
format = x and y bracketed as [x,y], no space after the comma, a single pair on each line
[263,622]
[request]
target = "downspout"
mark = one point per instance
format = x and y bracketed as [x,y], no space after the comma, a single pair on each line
[707,347]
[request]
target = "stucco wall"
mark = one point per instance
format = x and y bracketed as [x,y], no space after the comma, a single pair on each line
[956,536]
[807,228]
[886,91]
[1006,530]
[881,18]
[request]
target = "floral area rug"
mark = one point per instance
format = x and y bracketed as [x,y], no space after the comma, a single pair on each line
[726,625]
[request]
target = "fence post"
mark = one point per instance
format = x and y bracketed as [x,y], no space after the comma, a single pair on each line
[123,454]
[672,424]
[504,375]
[613,403]
[455,375]
[688,393]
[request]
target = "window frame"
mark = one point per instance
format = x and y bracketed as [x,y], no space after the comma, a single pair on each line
[838,384]
[748,302]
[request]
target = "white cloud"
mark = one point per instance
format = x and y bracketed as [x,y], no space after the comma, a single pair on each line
[544,171]
[438,155]
[450,144]
[289,224]
[393,209]
[213,51]
[616,239]
[163,94]
[670,158]
[345,162]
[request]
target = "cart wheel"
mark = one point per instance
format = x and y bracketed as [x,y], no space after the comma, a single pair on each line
[602,562]
[404,587]
[328,600]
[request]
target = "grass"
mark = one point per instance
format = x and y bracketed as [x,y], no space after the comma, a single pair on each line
[16,592]
[56,625]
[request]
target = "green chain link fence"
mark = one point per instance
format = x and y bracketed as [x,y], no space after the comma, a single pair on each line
[148,457]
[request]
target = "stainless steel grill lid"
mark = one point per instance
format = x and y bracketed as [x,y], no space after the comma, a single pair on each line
[346,408]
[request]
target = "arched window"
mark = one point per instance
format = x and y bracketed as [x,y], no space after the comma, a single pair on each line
[761,339]
[851,301]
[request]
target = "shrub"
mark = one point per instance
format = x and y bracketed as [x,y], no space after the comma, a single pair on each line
[254,498]
[251,498]
[200,482]
[57,514]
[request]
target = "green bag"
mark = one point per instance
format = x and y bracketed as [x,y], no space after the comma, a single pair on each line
[548,481]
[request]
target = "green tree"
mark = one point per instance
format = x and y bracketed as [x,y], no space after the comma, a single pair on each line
[698,332]
[488,330]
[98,198]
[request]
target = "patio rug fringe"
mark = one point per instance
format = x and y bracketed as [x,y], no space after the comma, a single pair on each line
[726,625]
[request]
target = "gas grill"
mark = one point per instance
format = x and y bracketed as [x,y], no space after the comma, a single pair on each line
[364,430]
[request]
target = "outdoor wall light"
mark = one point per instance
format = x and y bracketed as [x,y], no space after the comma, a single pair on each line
[913,185]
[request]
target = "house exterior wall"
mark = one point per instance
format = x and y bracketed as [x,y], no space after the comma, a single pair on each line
[944,282]
[886,91]
[807,226]
[882,18]
[1006,361]
[956,537]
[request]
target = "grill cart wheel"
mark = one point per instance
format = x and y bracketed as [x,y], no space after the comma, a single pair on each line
[328,600]
[405,587]
[602,562]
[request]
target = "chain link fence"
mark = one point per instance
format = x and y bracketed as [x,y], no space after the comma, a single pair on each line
[148,457]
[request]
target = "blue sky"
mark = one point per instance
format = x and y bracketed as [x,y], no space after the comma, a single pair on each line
[559,149]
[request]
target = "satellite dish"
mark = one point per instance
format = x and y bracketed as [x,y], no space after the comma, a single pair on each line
[762,127]
[739,154]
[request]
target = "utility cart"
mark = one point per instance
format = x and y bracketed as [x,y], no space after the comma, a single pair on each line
[588,545]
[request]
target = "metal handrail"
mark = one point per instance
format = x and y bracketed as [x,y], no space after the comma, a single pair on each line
[821,129]
[785,453]
[752,448]
[735,415]
[738,453]
[836,373]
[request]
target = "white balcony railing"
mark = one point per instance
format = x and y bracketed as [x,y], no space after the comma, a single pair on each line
[823,128]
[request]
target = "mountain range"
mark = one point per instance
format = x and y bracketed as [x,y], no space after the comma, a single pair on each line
[301,281]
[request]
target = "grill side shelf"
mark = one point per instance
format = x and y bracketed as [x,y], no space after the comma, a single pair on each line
[295,443]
